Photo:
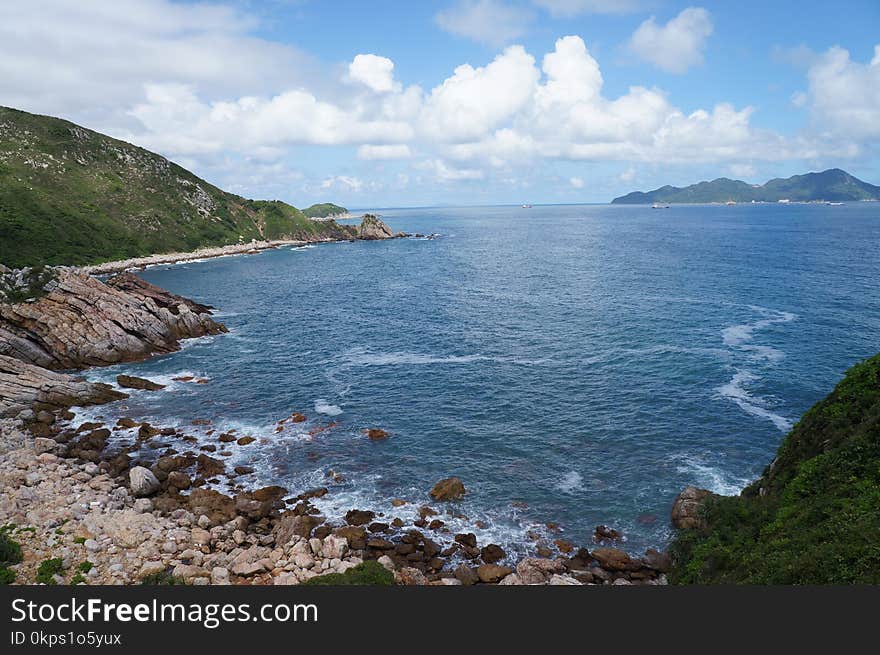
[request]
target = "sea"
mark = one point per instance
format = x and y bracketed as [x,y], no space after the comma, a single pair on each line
[574,365]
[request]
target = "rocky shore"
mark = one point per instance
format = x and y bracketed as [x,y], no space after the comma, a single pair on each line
[144,514]
[371,228]
[129,502]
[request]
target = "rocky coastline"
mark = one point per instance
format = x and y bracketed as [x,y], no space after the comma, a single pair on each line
[130,502]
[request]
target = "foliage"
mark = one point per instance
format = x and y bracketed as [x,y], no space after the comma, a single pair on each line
[324,210]
[162,578]
[10,550]
[814,516]
[72,196]
[367,573]
[48,569]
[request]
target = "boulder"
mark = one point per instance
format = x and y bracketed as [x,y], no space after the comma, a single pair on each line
[410,576]
[359,517]
[537,570]
[492,553]
[142,482]
[604,533]
[293,525]
[132,382]
[614,559]
[448,489]
[492,573]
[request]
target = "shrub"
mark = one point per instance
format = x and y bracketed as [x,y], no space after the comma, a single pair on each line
[162,578]
[10,551]
[367,573]
[48,569]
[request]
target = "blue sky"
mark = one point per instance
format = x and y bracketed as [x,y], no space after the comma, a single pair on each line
[374,104]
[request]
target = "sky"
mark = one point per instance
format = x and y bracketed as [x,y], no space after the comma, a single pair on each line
[459,102]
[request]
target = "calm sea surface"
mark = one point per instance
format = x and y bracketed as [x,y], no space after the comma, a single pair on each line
[572,364]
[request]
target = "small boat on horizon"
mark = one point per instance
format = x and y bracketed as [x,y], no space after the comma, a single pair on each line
[657,205]
[526,206]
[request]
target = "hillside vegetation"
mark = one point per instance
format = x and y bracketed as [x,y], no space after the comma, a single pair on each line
[814,515]
[324,210]
[833,185]
[69,195]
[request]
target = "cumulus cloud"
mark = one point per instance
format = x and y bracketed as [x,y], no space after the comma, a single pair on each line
[576,182]
[676,46]
[343,182]
[373,71]
[221,100]
[570,8]
[392,151]
[844,95]
[484,21]
[474,100]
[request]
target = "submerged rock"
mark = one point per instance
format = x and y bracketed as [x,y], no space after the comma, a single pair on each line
[132,382]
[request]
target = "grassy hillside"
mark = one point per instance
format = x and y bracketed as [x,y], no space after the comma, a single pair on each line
[814,516]
[832,185]
[69,195]
[324,210]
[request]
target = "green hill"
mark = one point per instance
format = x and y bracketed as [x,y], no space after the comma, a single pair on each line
[69,195]
[324,210]
[814,515]
[833,185]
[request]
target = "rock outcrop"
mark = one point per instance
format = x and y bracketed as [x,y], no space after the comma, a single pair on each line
[372,229]
[686,508]
[24,385]
[84,322]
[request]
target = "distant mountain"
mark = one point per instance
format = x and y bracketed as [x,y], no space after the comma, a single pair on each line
[69,195]
[833,185]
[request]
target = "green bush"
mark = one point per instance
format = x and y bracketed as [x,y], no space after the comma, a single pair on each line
[10,551]
[6,576]
[367,573]
[48,569]
[162,578]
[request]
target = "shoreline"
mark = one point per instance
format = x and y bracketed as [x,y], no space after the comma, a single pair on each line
[140,263]
[116,493]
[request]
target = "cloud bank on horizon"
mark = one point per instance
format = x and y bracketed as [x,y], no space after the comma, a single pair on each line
[256,111]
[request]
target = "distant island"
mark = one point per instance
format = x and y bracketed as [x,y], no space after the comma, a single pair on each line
[833,185]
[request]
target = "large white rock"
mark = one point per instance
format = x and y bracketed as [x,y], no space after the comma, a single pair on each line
[142,482]
[335,547]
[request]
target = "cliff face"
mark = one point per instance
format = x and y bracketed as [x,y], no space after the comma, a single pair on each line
[813,517]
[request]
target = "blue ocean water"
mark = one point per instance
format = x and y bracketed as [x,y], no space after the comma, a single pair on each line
[577,365]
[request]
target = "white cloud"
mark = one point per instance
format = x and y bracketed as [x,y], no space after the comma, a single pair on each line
[576,182]
[676,46]
[475,100]
[570,8]
[197,86]
[343,182]
[742,170]
[484,21]
[373,71]
[90,59]
[844,95]
[445,173]
[392,151]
